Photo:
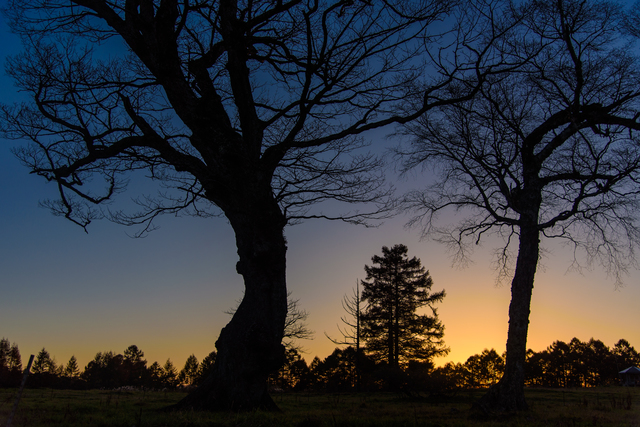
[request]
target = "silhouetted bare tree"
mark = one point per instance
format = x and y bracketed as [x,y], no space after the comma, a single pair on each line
[250,109]
[352,305]
[550,150]
[351,331]
[295,326]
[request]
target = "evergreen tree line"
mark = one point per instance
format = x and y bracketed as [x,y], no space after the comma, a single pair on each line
[107,370]
[574,364]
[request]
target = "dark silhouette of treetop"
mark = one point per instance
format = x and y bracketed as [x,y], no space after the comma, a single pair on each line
[189,373]
[249,109]
[395,289]
[10,364]
[71,370]
[43,363]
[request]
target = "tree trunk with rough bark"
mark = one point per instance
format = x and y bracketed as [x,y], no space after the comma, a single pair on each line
[250,346]
[508,394]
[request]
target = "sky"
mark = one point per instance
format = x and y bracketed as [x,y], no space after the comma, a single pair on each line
[77,293]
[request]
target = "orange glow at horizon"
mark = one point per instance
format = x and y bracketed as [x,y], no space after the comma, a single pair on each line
[168,293]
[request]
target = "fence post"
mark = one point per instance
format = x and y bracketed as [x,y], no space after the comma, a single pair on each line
[19,395]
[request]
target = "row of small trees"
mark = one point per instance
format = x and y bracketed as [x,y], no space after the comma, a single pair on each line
[574,364]
[580,364]
[106,370]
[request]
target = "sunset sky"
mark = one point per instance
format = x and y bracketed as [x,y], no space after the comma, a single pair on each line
[76,293]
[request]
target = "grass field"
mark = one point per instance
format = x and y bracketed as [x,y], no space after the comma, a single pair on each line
[615,406]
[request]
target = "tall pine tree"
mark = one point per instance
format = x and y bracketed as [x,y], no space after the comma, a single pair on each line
[395,289]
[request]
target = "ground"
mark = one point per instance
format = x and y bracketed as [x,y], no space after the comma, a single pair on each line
[611,406]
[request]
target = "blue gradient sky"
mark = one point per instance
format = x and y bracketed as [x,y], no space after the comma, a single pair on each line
[76,293]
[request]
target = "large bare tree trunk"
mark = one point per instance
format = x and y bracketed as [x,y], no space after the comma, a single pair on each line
[508,394]
[250,346]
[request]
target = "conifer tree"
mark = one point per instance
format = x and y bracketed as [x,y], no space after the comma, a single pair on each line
[5,349]
[136,365]
[4,361]
[134,355]
[155,375]
[72,370]
[395,289]
[169,374]
[189,374]
[43,362]
[206,366]
[625,355]
[15,360]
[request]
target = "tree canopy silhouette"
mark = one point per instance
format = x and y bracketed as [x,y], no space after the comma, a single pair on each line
[10,364]
[549,150]
[189,373]
[248,109]
[395,289]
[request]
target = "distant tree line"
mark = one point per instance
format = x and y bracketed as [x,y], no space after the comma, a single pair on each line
[574,364]
[579,364]
[107,370]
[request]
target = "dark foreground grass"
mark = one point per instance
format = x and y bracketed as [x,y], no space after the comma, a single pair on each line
[615,407]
